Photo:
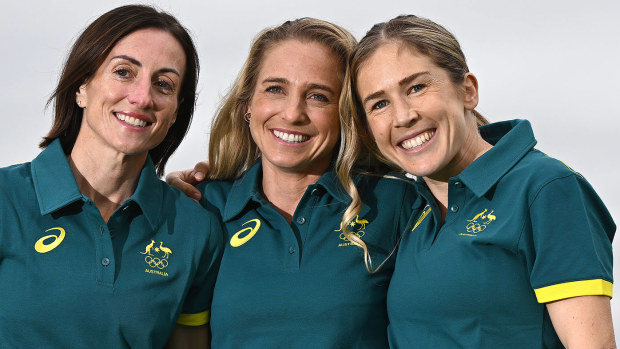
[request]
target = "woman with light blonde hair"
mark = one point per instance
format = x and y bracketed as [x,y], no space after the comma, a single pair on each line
[300,218]
[513,248]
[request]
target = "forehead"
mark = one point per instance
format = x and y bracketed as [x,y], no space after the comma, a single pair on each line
[151,46]
[310,60]
[389,64]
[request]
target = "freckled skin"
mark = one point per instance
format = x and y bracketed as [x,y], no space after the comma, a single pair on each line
[404,108]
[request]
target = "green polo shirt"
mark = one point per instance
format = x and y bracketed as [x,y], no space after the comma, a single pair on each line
[303,285]
[69,280]
[522,229]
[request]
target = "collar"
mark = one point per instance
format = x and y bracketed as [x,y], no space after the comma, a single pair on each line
[149,194]
[511,141]
[247,188]
[55,185]
[53,180]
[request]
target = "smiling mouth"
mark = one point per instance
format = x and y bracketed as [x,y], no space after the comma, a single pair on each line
[131,120]
[289,137]
[417,141]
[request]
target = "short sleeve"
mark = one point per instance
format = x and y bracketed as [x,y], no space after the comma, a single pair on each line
[195,311]
[571,233]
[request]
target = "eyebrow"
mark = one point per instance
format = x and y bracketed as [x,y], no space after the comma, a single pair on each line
[401,83]
[137,62]
[286,82]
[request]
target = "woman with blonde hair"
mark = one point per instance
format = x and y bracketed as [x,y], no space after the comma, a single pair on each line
[285,180]
[513,248]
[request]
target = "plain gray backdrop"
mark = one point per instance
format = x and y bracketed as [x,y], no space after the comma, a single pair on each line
[553,62]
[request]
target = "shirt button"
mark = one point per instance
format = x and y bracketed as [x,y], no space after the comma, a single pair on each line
[101,229]
[454,208]
[301,220]
[458,184]
[291,250]
[105,261]
[313,191]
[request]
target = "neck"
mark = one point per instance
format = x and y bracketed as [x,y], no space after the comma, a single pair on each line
[107,178]
[438,182]
[284,190]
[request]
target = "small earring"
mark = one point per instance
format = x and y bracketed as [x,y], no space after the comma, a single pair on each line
[79,103]
[247,117]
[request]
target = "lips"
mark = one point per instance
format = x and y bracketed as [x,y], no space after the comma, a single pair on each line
[418,140]
[131,120]
[290,137]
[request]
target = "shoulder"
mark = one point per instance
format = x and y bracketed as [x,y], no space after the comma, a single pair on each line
[15,179]
[539,173]
[390,180]
[537,168]
[219,188]
[390,192]
[185,207]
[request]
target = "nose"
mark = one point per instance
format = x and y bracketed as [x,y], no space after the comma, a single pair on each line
[295,109]
[140,94]
[405,115]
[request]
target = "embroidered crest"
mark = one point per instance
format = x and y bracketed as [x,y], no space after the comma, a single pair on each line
[479,222]
[156,258]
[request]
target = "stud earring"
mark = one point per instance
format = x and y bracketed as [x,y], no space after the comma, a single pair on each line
[79,103]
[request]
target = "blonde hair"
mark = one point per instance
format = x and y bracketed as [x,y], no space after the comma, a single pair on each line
[425,37]
[231,148]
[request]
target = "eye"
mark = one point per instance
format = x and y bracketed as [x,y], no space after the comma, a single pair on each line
[379,105]
[274,89]
[319,97]
[164,86]
[122,73]
[417,88]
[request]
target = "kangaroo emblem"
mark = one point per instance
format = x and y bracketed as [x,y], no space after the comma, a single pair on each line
[148,248]
[165,249]
[481,214]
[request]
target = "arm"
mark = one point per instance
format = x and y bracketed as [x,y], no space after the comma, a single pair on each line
[583,322]
[190,337]
[187,179]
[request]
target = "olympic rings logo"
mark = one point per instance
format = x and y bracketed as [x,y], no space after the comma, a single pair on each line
[475,228]
[155,262]
[359,235]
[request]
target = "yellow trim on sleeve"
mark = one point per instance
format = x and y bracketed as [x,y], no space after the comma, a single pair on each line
[596,287]
[197,319]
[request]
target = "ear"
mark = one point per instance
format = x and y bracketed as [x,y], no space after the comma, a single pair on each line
[470,91]
[82,96]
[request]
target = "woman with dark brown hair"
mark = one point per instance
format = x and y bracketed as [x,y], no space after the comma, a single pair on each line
[95,250]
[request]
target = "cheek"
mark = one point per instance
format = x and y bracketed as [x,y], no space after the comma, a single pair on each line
[379,132]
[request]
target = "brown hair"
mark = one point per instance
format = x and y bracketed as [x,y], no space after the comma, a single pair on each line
[88,53]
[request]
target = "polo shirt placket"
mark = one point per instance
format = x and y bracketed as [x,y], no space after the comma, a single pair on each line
[303,284]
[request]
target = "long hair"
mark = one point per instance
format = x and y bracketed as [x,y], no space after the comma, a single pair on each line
[231,147]
[88,53]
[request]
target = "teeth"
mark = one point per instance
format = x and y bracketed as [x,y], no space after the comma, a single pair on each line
[417,141]
[291,138]
[130,120]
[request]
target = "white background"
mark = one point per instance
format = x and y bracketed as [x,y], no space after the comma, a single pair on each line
[554,62]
